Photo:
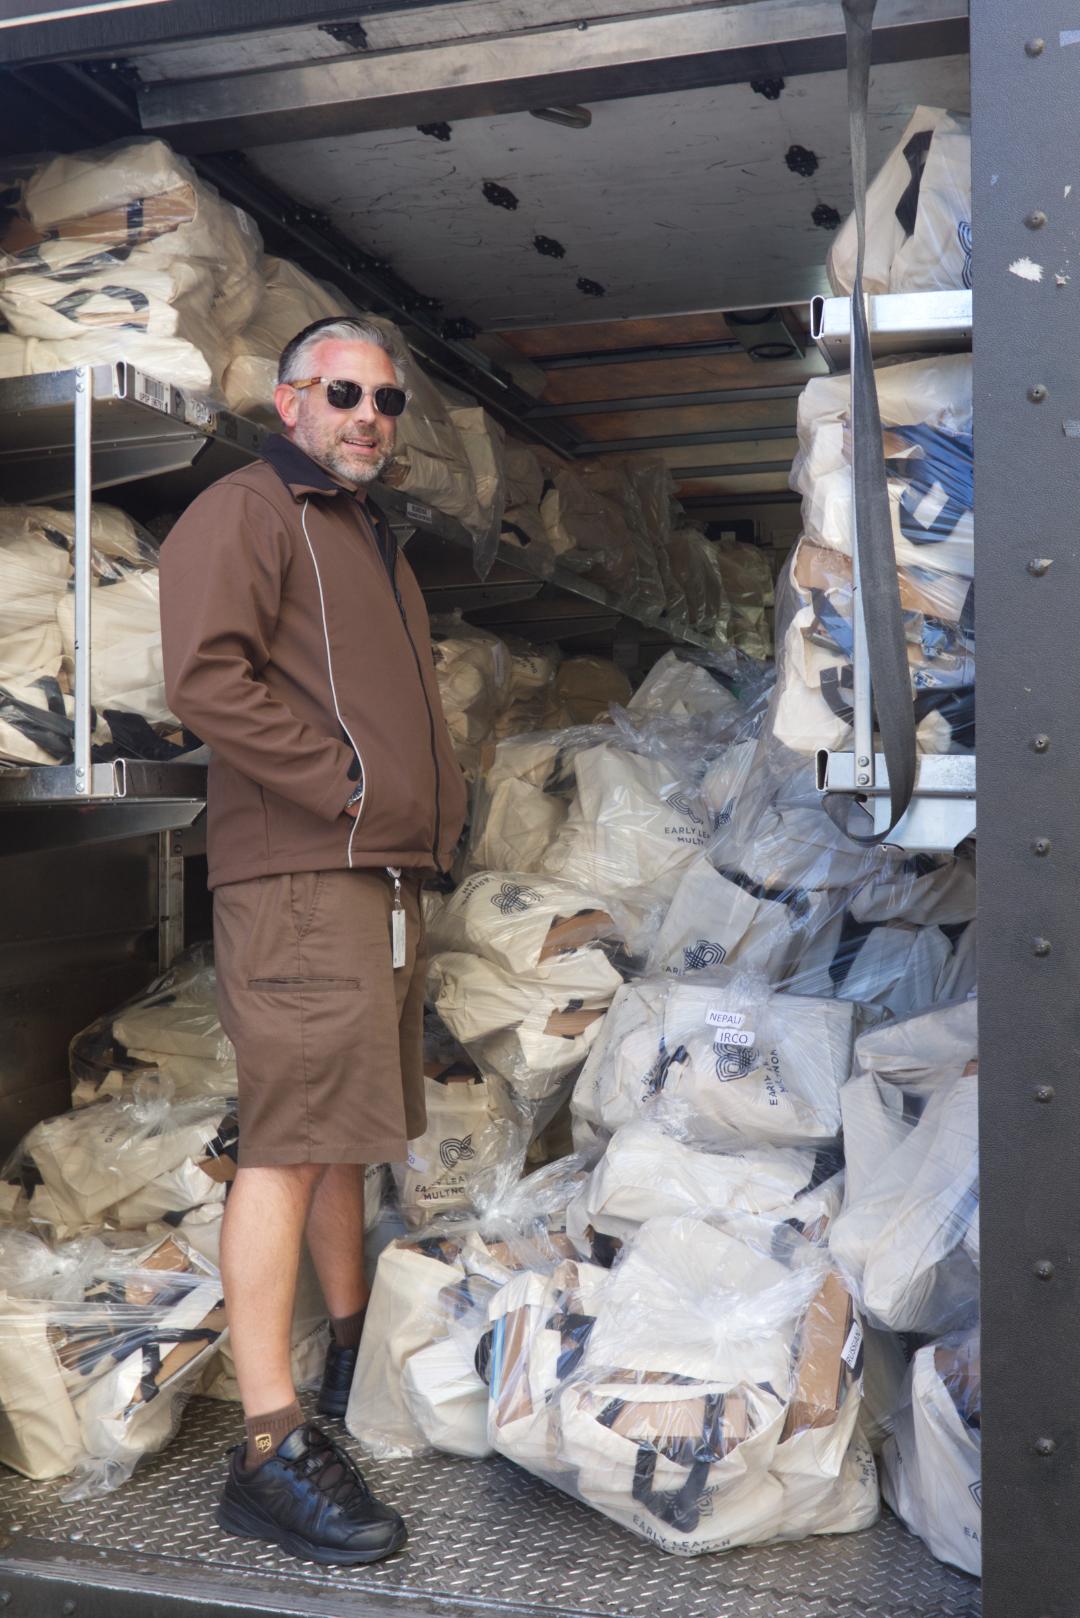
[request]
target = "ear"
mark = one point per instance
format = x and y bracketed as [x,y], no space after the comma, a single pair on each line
[287,403]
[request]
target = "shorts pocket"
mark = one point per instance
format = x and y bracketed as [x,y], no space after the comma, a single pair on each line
[269,985]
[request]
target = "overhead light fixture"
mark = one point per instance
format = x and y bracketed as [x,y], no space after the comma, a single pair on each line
[766,334]
[568,117]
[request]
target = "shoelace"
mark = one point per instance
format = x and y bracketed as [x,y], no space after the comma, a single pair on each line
[331,1470]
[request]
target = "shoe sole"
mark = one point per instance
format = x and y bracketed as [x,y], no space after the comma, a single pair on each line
[243,1523]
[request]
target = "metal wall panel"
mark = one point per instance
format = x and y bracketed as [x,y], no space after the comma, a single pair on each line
[1025,80]
[78,934]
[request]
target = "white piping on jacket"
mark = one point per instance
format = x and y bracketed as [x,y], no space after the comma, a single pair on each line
[333,687]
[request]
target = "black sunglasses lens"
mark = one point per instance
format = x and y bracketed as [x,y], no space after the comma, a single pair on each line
[390,401]
[344,395]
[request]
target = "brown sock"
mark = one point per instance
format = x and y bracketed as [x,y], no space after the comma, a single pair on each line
[347,1331]
[265,1433]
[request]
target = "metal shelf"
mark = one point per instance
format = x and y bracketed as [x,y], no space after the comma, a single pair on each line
[900,323]
[140,428]
[46,808]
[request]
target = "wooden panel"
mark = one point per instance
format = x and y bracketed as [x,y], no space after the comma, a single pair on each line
[608,334]
[641,377]
[690,419]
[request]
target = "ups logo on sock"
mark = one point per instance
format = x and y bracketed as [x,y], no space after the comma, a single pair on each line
[262,1443]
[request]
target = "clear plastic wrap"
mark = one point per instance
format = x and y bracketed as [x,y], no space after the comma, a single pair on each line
[168,1035]
[647,1172]
[682,687]
[99,1349]
[918,213]
[123,252]
[704,1393]
[617,479]
[526,925]
[907,1240]
[416,1386]
[931,1466]
[125,1162]
[745,1066]
[290,299]
[747,582]
[475,678]
[587,529]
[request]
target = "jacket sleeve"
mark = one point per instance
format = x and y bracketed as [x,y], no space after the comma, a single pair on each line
[222,571]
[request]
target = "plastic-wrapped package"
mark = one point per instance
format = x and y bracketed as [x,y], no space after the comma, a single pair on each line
[683,688]
[647,1172]
[123,252]
[125,1162]
[931,1466]
[99,1348]
[816,685]
[415,1385]
[471,1129]
[635,823]
[918,213]
[475,682]
[520,923]
[907,1239]
[747,583]
[517,817]
[169,1032]
[614,478]
[37,638]
[290,300]
[532,678]
[926,414]
[533,1031]
[745,1066]
[704,1393]
[585,688]
[587,527]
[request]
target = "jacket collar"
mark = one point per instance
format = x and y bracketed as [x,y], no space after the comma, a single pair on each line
[299,473]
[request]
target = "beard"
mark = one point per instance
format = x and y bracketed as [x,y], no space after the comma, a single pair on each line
[326,446]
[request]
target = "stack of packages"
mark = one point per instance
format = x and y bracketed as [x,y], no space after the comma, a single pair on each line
[919,239]
[98,1351]
[131,717]
[746,578]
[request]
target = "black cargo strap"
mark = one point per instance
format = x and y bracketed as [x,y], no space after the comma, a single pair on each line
[878,584]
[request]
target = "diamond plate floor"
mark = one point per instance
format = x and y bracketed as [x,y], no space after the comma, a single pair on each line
[485,1537]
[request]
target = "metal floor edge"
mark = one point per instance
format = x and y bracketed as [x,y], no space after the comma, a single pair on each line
[485,1537]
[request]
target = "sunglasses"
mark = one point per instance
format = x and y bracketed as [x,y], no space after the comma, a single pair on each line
[387,399]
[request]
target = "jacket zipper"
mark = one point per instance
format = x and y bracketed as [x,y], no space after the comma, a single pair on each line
[389,559]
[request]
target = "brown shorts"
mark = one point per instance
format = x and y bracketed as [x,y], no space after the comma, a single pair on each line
[329,1037]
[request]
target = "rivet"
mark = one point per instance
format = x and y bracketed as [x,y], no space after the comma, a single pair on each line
[1035,47]
[1045,1446]
[1035,220]
[1041,744]
[1041,946]
[1044,1269]
[1044,1093]
[863,762]
[864,780]
[1041,846]
[1039,566]
[1037,392]
[68,1608]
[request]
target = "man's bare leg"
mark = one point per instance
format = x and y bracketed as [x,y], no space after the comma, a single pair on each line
[335,1233]
[260,1256]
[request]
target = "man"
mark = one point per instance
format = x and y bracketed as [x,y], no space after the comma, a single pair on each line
[297,646]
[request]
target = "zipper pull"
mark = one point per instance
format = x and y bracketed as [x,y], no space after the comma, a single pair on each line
[397,920]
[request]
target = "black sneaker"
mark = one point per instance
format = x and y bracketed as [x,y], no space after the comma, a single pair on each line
[333,1397]
[311,1500]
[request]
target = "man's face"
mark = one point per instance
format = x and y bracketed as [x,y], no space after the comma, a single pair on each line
[355,445]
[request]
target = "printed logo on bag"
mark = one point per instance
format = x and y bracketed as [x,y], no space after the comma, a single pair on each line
[262,1443]
[682,805]
[722,817]
[963,231]
[703,954]
[512,899]
[734,1062]
[656,1077]
[975,1491]
[452,1152]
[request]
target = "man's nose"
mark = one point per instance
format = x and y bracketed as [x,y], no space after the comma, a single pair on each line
[366,412]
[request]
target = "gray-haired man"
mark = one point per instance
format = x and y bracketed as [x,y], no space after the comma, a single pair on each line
[297,645]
